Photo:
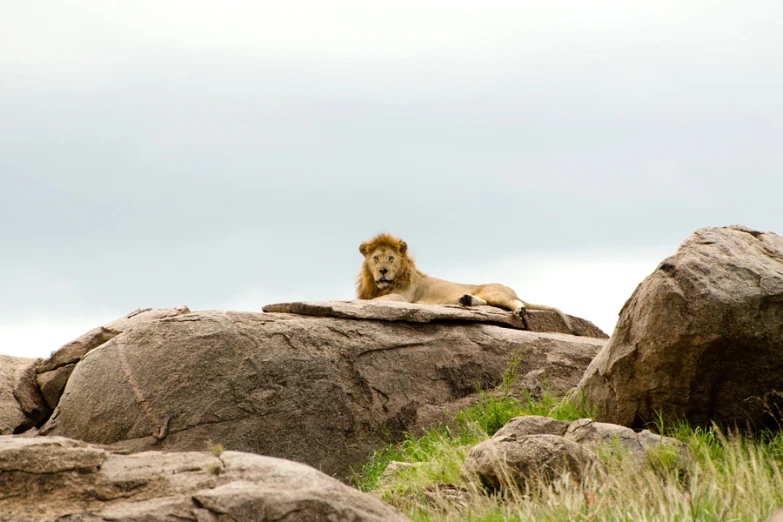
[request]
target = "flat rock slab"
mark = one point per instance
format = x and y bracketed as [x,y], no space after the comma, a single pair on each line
[46,479]
[537,321]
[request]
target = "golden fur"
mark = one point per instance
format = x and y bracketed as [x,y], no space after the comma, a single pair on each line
[389,273]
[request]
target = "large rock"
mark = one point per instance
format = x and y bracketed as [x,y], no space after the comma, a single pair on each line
[323,391]
[54,478]
[53,373]
[700,339]
[534,321]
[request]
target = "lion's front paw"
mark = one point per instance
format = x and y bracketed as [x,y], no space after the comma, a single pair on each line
[466,300]
[521,312]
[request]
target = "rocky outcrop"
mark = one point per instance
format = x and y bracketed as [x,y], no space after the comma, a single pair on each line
[54,478]
[319,390]
[53,373]
[534,320]
[700,339]
[541,449]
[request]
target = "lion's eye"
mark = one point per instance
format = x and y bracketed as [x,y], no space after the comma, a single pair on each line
[391,259]
[375,259]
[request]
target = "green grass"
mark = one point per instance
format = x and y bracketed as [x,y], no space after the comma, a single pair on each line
[728,477]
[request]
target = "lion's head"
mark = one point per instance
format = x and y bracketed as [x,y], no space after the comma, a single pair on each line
[386,268]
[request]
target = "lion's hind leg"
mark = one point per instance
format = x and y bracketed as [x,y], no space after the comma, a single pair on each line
[471,300]
[502,297]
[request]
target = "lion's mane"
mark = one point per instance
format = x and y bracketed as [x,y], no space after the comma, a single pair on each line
[365,282]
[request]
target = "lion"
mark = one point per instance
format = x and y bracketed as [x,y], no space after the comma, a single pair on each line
[389,274]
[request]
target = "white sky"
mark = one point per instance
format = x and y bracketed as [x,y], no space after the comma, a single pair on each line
[228,155]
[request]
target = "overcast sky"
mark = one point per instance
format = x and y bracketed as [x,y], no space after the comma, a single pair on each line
[226,155]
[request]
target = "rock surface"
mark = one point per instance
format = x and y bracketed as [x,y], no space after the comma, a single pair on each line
[619,441]
[53,373]
[535,320]
[29,397]
[319,390]
[506,460]
[12,417]
[700,339]
[519,427]
[53,478]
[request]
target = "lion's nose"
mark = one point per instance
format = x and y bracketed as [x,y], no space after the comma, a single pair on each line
[384,270]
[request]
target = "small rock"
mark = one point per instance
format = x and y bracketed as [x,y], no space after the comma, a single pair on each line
[619,441]
[393,469]
[505,461]
[519,427]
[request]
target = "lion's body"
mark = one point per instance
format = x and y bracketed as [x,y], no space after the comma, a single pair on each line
[389,273]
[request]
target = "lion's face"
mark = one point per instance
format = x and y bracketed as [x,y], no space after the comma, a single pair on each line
[385,263]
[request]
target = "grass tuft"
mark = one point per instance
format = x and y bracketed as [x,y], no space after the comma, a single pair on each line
[216,449]
[216,468]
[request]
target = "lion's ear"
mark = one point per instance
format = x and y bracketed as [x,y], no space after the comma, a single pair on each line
[403,247]
[363,248]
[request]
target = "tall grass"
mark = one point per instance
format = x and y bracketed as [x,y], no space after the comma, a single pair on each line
[728,477]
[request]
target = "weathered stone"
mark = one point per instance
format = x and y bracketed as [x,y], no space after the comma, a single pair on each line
[393,470]
[29,396]
[535,320]
[51,383]
[73,351]
[509,461]
[54,372]
[619,441]
[532,425]
[700,339]
[146,314]
[46,455]
[52,478]
[12,417]
[323,391]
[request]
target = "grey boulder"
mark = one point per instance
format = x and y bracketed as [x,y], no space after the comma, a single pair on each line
[701,338]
